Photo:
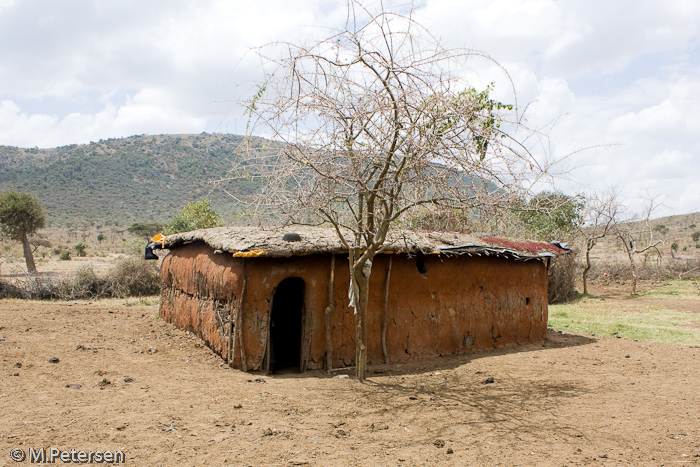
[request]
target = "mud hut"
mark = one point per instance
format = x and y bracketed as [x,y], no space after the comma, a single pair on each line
[267,300]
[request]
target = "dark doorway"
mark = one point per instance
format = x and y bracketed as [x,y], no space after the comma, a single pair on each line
[286,325]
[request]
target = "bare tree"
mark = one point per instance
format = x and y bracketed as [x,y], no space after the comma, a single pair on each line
[637,236]
[600,217]
[378,120]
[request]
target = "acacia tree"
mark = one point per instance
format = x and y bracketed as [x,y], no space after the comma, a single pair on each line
[600,217]
[637,236]
[21,216]
[378,120]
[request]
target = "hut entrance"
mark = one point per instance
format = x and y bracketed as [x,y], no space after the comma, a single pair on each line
[286,325]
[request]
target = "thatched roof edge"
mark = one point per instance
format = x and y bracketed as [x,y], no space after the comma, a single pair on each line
[254,242]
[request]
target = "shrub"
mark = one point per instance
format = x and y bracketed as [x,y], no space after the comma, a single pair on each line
[129,277]
[194,216]
[64,256]
[8,290]
[696,236]
[80,248]
[133,277]
[86,284]
[661,228]
[561,279]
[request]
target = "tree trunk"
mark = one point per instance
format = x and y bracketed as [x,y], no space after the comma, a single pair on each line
[28,256]
[634,272]
[585,271]
[360,285]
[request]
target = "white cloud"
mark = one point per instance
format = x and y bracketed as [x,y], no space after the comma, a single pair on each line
[590,72]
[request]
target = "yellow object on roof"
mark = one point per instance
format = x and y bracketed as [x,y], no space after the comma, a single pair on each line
[159,237]
[249,254]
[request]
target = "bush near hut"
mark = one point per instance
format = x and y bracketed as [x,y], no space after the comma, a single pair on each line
[561,279]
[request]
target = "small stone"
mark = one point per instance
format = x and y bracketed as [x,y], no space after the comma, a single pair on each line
[438,443]
[298,462]
[341,376]
[74,386]
[449,451]
[128,379]
[488,380]
[18,365]
[268,432]
[603,456]
[247,423]
[413,398]
[54,360]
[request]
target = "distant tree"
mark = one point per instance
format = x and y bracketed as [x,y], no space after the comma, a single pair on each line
[696,236]
[194,216]
[661,228]
[145,229]
[636,240]
[80,248]
[600,216]
[552,216]
[101,237]
[21,215]
[674,249]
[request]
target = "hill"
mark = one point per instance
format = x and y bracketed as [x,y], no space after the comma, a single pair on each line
[121,181]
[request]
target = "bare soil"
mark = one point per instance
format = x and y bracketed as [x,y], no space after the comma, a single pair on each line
[128,381]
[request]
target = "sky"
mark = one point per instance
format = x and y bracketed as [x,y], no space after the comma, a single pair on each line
[614,86]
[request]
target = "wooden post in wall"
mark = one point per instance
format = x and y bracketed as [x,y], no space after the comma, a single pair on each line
[239,319]
[385,310]
[329,311]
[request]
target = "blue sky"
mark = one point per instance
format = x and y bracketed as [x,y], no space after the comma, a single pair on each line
[622,77]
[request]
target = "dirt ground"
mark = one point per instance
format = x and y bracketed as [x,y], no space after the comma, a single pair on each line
[128,381]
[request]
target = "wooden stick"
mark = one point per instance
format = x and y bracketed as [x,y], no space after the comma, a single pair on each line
[329,311]
[265,359]
[229,353]
[239,319]
[386,310]
[234,332]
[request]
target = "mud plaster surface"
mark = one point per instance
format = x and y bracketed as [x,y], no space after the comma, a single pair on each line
[454,305]
[576,401]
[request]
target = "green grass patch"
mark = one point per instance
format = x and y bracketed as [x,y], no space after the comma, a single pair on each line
[630,318]
[681,289]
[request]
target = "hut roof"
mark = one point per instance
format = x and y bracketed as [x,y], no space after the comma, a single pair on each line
[255,241]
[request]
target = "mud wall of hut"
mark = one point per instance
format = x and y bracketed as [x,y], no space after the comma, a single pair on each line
[436,305]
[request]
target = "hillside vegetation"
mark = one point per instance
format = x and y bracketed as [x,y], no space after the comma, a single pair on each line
[121,181]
